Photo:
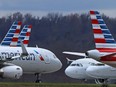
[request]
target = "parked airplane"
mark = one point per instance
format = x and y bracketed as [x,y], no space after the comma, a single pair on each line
[89,68]
[77,69]
[15,61]
[105,44]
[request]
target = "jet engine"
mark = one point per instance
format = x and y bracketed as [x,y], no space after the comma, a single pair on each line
[93,54]
[12,72]
[99,81]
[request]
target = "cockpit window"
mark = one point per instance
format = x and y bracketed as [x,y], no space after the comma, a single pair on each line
[73,64]
[78,64]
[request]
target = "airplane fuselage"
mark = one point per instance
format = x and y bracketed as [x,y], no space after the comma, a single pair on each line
[38,61]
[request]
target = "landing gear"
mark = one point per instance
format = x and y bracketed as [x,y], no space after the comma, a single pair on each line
[103,82]
[38,78]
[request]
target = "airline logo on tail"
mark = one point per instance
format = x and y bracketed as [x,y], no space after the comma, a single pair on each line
[11,37]
[25,35]
[104,41]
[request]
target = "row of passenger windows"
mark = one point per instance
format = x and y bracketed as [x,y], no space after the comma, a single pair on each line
[97,64]
[93,64]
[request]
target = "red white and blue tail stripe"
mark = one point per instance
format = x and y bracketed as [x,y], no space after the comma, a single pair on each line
[25,35]
[104,41]
[11,37]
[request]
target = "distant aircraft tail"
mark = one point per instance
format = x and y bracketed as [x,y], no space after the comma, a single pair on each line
[104,40]
[12,35]
[25,35]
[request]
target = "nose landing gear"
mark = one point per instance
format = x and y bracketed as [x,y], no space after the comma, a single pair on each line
[38,78]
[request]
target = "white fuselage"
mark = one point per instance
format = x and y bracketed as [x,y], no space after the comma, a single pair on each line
[102,71]
[88,68]
[77,69]
[38,61]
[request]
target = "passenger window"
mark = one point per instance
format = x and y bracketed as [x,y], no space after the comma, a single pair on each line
[100,64]
[92,63]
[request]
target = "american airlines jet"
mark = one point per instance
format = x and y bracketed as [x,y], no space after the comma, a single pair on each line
[105,44]
[88,68]
[15,61]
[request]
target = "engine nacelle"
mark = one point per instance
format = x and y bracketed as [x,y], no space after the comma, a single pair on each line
[12,72]
[93,54]
[99,81]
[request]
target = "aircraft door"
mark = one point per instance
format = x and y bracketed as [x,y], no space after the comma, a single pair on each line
[46,58]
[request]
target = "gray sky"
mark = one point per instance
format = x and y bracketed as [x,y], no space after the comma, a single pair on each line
[42,7]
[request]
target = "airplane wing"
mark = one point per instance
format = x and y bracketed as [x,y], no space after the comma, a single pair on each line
[23,54]
[75,53]
[24,51]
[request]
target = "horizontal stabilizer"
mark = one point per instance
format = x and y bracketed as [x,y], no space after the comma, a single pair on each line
[109,55]
[75,53]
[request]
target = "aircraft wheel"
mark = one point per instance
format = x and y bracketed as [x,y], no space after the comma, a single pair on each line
[38,78]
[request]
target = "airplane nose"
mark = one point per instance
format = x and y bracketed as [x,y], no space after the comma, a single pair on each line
[57,65]
[69,72]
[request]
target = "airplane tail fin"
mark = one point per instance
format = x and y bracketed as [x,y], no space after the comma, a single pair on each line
[104,40]
[11,37]
[25,35]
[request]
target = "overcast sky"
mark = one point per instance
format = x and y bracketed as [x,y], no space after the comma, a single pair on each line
[42,7]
